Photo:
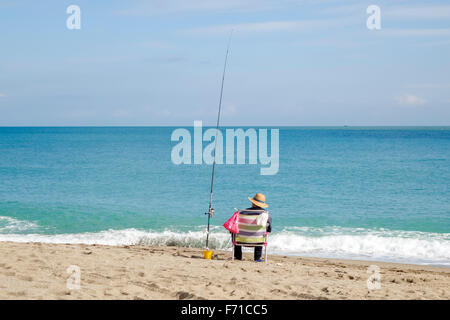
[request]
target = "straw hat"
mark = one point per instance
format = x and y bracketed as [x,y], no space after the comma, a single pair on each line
[259,200]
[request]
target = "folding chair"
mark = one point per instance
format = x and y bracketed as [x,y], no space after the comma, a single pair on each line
[250,233]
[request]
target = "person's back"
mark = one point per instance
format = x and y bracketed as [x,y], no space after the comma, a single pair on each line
[254,222]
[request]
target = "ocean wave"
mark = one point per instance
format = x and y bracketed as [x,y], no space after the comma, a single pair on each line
[365,247]
[11,225]
[330,242]
[194,239]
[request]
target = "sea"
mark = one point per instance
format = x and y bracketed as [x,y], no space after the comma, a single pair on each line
[366,193]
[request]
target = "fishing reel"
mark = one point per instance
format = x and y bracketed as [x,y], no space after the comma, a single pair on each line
[211,212]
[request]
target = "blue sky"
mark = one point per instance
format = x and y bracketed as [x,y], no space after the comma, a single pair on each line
[159,63]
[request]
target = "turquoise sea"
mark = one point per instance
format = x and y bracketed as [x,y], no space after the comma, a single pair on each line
[350,192]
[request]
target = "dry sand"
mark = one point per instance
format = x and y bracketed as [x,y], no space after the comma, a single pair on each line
[39,271]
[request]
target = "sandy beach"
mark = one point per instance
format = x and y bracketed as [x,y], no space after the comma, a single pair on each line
[40,271]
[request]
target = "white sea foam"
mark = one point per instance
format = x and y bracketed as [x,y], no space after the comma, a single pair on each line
[332,242]
[127,237]
[434,250]
[10,225]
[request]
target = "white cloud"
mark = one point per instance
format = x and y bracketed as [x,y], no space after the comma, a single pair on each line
[245,27]
[229,110]
[121,113]
[429,86]
[2,95]
[268,26]
[157,44]
[154,7]
[97,60]
[434,43]
[410,100]
[418,12]
[416,32]
[172,6]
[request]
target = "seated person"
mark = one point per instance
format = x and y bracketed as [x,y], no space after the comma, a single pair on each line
[258,205]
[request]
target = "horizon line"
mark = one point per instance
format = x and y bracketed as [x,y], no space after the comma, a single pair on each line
[225,126]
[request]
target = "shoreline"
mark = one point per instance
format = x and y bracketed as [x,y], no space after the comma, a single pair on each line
[39,271]
[385,247]
[425,263]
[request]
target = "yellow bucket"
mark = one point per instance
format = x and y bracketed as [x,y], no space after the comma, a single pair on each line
[207,254]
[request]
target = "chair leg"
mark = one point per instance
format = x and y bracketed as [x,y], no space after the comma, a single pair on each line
[265,254]
[232,253]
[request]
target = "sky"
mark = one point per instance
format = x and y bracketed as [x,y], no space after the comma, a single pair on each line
[159,62]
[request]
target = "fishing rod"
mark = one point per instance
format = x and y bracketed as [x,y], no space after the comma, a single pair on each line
[210,210]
